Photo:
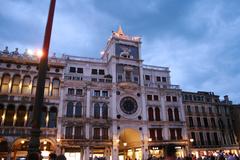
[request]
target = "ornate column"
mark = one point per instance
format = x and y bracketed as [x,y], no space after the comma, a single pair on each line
[20,84]
[88,102]
[114,103]
[163,107]
[115,142]
[26,116]
[86,153]
[145,143]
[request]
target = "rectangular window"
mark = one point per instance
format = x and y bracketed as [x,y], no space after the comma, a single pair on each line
[149,97]
[210,110]
[94,71]
[119,78]
[96,133]
[168,98]
[172,133]
[179,133]
[174,98]
[158,79]
[105,93]
[199,122]
[136,79]
[147,77]
[101,72]
[164,79]
[201,138]
[216,138]
[152,133]
[79,92]
[96,93]
[72,69]
[209,139]
[105,133]
[155,97]
[196,109]
[78,132]
[189,109]
[79,70]
[191,122]
[159,134]
[203,109]
[70,91]
[213,122]
[68,133]
[205,122]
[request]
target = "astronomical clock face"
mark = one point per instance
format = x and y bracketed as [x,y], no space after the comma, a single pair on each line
[128,105]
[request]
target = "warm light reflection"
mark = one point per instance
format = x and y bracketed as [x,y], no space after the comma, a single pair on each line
[39,53]
[22,141]
[58,139]
[45,142]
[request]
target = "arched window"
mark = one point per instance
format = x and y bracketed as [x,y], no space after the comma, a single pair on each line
[170,114]
[105,111]
[55,87]
[5,83]
[157,114]
[15,84]
[52,123]
[34,86]
[96,110]
[78,109]
[176,113]
[30,115]
[44,117]
[150,114]
[1,112]
[26,85]
[69,109]
[9,115]
[46,88]
[20,116]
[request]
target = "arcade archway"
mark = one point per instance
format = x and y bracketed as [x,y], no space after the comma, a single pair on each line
[130,144]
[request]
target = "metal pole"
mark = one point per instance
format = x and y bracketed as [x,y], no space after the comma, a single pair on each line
[34,143]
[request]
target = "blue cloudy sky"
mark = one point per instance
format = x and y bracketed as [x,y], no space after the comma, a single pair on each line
[198,40]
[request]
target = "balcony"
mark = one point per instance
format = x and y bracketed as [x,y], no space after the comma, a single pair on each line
[161,86]
[25,131]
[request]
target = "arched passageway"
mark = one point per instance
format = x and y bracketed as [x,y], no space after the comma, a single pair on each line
[130,144]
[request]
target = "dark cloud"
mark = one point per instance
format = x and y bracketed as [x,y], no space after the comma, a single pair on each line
[198,40]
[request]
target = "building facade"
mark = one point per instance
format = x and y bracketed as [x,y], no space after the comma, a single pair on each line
[117,107]
[235,112]
[114,107]
[18,81]
[209,124]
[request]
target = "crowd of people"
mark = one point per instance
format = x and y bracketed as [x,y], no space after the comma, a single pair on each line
[221,156]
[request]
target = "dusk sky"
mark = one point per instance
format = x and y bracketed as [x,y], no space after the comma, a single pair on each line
[198,40]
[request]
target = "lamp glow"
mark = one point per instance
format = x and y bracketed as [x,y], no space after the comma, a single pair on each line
[22,141]
[191,140]
[150,139]
[124,144]
[58,139]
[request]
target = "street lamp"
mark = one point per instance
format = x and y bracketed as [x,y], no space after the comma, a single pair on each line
[34,142]
[191,144]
